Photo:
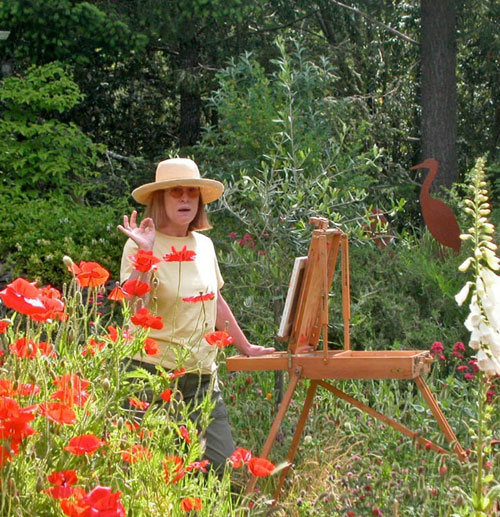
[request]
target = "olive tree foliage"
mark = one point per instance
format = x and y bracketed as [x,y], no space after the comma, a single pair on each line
[286,150]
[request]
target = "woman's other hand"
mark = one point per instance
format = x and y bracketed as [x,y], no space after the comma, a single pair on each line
[143,235]
[254,350]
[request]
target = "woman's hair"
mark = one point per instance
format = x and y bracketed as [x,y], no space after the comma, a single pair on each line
[156,210]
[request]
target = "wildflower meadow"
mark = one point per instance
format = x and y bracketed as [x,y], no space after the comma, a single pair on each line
[83,434]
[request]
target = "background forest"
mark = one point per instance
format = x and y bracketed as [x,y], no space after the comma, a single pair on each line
[300,108]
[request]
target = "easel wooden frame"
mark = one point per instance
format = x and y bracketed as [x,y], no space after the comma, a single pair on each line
[304,361]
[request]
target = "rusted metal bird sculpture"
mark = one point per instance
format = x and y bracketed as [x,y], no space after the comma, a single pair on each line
[438,216]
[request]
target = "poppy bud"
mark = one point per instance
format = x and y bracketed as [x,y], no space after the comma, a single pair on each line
[67,261]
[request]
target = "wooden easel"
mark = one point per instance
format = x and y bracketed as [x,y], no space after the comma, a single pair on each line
[305,317]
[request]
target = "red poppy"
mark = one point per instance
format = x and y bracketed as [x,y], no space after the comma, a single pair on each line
[74,506]
[135,453]
[144,260]
[23,297]
[89,274]
[84,444]
[136,288]
[54,309]
[5,456]
[117,294]
[113,335]
[260,467]
[58,412]
[131,426]
[102,502]
[198,465]
[4,324]
[189,504]
[140,404]
[240,457]
[25,390]
[93,347]
[145,319]
[184,433]
[151,346]
[24,347]
[63,481]
[177,373]
[173,466]
[14,422]
[71,380]
[46,349]
[200,298]
[166,395]
[7,388]
[220,339]
[183,255]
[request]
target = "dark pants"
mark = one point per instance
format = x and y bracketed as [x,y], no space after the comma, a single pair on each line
[217,439]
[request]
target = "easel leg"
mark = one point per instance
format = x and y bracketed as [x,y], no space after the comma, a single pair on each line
[440,418]
[389,421]
[295,376]
[296,437]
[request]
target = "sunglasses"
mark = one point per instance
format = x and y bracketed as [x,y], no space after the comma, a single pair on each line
[178,192]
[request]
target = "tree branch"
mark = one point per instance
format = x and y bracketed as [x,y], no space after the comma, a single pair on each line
[375,22]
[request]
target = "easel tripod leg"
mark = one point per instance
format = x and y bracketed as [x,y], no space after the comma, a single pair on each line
[296,437]
[294,378]
[439,416]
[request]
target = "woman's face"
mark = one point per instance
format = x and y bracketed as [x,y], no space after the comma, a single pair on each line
[181,207]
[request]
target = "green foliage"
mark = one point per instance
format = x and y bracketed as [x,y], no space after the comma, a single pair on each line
[33,241]
[39,154]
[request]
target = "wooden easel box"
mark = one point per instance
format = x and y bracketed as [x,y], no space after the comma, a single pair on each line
[341,364]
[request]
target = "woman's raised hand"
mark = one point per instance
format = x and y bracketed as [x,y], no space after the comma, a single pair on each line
[143,235]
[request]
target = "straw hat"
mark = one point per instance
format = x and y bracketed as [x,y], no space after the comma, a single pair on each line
[179,172]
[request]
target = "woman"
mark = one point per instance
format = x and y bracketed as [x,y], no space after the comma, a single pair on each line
[186,287]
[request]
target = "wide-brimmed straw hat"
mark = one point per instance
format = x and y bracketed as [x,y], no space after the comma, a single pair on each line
[179,172]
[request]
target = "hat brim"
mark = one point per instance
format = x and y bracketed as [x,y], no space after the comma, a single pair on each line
[210,190]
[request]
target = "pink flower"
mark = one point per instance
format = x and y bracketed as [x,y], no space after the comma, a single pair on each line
[458,350]
[469,376]
[437,348]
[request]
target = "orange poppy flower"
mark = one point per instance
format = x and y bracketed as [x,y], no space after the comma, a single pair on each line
[145,319]
[135,453]
[189,504]
[58,412]
[166,395]
[24,347]
[84,444]
[183,255]
[144,260]
[220,339]
[177,373]
[173,466]
[89,274]
[240,457]
[136,288]
[260,467]
[117,294]
[4,324]
[151,346]
[200,298]
[140,404]
[184,433]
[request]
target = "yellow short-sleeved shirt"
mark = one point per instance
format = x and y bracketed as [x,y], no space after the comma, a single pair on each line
[185,320]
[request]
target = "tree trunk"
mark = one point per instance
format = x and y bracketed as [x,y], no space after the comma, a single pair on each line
[439,88]
[190,109]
